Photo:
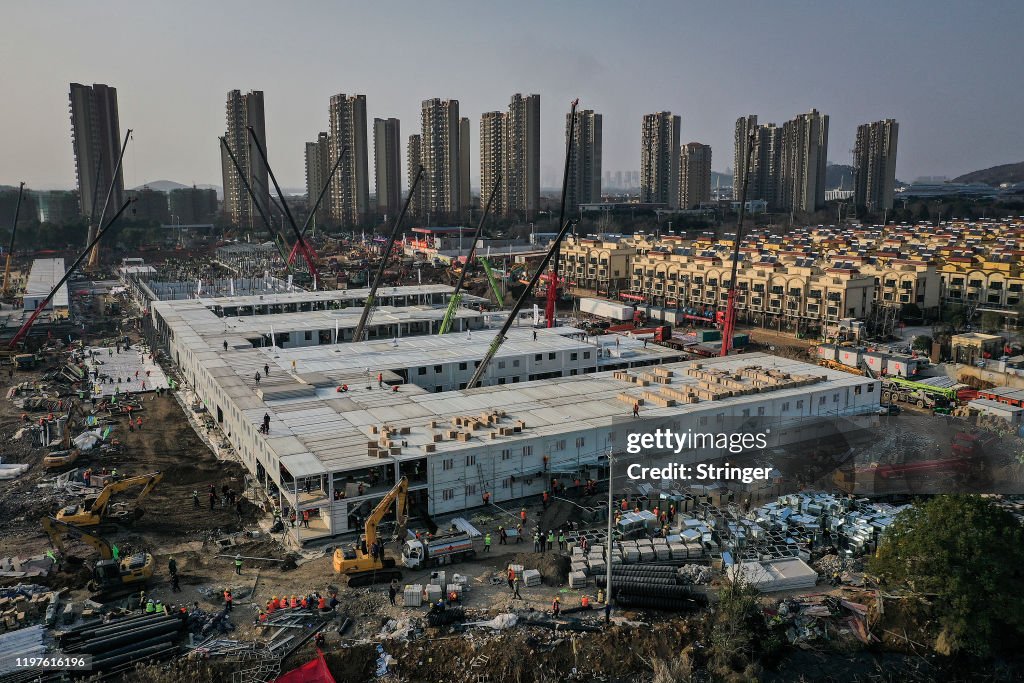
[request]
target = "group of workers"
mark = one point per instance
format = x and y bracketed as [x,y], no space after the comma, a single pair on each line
[315,600]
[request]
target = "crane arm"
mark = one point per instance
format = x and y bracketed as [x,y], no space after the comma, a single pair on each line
[379,275]
[284,205]
[14,231]
[490,278]
[499,338]
[55,529]
[453,304]
[259,207]
[399,492]
[552,295]
[67,275]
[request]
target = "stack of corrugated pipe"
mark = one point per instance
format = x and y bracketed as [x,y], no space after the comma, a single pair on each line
[651,586]
[122,643]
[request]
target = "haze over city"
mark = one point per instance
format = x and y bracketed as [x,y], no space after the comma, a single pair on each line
[945,74]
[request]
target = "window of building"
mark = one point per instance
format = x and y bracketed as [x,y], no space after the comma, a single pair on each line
[800,404]
[746,412]
[506,482]
[579,442]
[515,363]
[821,400]
[527,451]
[447,463]
[501,365]
[785,406]
[551,356]
[421,371]
[437,369]
[309,336]
[538,357]
[448,494]
[760,410]
[470,460]
[462,366]
[506,453]
[573,356]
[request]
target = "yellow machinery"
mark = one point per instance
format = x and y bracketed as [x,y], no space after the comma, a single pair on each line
[99,509]
[357,562]
[109,575]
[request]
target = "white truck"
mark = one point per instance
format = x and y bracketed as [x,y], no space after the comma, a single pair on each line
[606,309]
[462,542]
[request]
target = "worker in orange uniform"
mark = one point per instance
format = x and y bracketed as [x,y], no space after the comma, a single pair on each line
[229,600]
[322,604]
[487,497]
[304,602]
[556,605]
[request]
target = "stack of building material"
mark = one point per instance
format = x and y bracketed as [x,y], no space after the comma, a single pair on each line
[433,592]
[413,595]
[121,643]
[18,645]
[531,578]
[777,575]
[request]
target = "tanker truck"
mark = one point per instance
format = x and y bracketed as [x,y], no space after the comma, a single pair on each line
[461,543]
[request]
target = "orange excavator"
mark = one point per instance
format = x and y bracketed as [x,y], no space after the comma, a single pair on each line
[358,562]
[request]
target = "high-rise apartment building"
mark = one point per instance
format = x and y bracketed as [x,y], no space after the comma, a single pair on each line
[492,161]
[96,138]
[659,159]
[440,138]
[243,111]
[465,197]
[875,164]
[387,164]
[694,175]
[787,165]
[413,160]
[585,160]
[350,188]
[190,205]
[804,155]
[318,167]
[741,142]
[522,155]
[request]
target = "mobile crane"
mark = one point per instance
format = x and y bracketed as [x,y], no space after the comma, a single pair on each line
[357,562]
[94,511]
[110,576]
[10,248]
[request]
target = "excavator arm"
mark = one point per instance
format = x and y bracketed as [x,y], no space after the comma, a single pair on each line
[147,481]
[56,529]
[398,494]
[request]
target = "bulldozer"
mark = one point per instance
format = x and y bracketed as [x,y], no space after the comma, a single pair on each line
[357,561]
[111,577]
[94,512]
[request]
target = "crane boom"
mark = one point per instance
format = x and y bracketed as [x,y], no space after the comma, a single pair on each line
[300,243]
[319,198]
[730,304]
[552,296]
[379,275]
[453,303]
[67,275]
[14,231]
[499,338]
[490,279]
[94,255]
[259,207]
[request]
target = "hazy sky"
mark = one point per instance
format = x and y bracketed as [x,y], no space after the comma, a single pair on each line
[950,73]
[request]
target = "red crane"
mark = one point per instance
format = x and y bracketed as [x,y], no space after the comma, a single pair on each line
[549,307]
[730,305]
[21,334]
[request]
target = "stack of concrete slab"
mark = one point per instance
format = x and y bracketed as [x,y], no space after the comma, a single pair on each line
[456,589]
[433,593]
[778,575]
[531,578]
[577,579]
[413,596]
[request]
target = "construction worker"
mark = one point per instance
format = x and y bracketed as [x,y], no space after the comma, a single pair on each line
[519,533]
[636,409]
[270,607]
[321,603]
[142,599]
[585,602]
[556,605]
[487,497]
[511,577]
[487,542]
[305,518]
[551,539]
[607,613]
[515,587]
[175,584]
[319,640]
[238,565]
[561,540]
[380,380]
[262,618]
[150,606]
[172,567]
[158,607]
[228,600]
[304,602]
[544,499]
[536,541]
[138,423]
[294,602]
[522,515]
[275,603]
[393,591]
[195,499]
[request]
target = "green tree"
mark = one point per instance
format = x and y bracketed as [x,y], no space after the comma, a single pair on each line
[967,552]
[990,320]
[910,310]
[922,342]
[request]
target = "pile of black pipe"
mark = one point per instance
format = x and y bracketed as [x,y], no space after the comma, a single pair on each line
[120,644]
[650,586]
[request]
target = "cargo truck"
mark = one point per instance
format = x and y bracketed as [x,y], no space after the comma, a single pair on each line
[444,549]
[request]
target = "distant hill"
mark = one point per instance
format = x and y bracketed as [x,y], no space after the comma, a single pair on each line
[1006,173]
[839,175]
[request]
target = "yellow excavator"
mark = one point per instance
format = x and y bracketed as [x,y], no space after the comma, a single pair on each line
[357,561]
[96,510]
[110,576]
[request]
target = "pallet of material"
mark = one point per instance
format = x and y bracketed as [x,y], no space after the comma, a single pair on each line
[531,578]
[629,398]
[664,372]
[577,580]
[413,595]
[658,399]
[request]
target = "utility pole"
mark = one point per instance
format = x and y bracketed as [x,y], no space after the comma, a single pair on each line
[608,542]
